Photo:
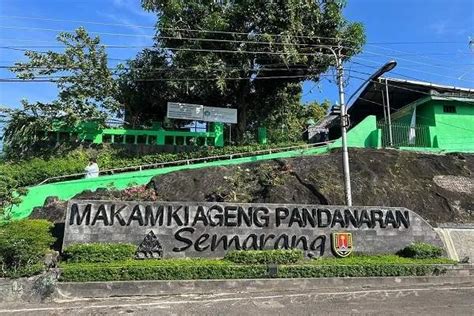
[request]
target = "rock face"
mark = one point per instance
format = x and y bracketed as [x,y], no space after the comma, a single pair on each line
[53,210]
[437,187]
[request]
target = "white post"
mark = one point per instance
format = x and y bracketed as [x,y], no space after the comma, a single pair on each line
[344,123]
[390,135]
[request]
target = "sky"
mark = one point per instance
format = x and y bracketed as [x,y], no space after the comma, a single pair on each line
[429,39]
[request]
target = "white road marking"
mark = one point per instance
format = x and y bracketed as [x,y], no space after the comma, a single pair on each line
[353,293]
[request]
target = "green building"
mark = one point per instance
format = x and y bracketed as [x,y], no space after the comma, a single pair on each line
[156,135]
[417,115]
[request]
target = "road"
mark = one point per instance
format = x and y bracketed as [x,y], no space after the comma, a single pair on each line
[416,300]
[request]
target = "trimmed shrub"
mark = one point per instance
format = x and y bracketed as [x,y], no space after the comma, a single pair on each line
[278,256]
[192,269]
[99,252]
[326,271]
[146,271]
[419,250]
[354,260]
[23,245]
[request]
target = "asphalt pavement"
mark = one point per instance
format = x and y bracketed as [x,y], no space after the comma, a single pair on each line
[449,299]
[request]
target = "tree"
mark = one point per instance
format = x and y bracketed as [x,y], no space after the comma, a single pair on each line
[10,195]
[242,53]
[86,91]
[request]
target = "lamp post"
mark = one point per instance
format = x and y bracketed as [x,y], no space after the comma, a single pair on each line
[344,122]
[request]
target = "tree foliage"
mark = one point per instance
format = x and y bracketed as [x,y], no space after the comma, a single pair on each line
[10,195]
[249,55]
[86,91]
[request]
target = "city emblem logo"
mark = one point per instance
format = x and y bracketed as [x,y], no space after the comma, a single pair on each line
[342,244]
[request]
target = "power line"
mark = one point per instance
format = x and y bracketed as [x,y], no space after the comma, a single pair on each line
[267,53]
[206,50]
[420,54]
[200,39]
[415,70]
[281,53]
[224,32]
[118,46]
[52,78]
[169,29]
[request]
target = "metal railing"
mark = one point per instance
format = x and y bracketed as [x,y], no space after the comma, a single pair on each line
[189,161]
[420,135]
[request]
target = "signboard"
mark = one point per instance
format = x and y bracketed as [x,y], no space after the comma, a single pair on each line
[193,229]
[223,115]
[196,112]
[185,111]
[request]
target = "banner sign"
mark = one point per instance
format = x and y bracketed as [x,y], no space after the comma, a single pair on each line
[224,115]
[193,229]
[185,111]
[196,112]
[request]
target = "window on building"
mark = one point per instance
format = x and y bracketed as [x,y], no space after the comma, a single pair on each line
[449,109]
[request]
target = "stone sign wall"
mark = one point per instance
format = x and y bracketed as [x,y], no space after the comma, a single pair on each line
[194,229]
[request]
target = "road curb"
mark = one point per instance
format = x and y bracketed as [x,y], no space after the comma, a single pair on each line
[70,290]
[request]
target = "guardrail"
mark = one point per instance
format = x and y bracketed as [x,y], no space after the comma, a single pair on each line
[189,161]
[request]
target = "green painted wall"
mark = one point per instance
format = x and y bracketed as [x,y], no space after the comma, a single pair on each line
[90,131]
[363,135]
[445,132]
[454,131]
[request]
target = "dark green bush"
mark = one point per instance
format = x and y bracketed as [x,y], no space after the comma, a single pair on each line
[168,269]
[419,250]
[354,260]
[325,271]
[99,252]
[23,245]
[278,256]
[26,271]
[189,269]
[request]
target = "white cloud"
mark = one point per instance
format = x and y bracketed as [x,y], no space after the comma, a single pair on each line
[439,27]
[134,7]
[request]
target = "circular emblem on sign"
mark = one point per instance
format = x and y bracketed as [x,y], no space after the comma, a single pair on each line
[207,113]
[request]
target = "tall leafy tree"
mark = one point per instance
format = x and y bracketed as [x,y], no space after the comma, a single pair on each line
[243,54]
[86,91]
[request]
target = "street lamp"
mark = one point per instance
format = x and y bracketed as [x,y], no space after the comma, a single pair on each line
[385,68]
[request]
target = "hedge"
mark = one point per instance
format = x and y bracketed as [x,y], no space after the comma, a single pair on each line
[189,269]
[99,252]
[33,171]
[26,271]
[419,250]
[23,245]
[279,256]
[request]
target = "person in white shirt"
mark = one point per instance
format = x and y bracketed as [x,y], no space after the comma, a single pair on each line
[92,170]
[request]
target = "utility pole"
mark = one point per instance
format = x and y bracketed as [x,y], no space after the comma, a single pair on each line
[344,126]
[390,135]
